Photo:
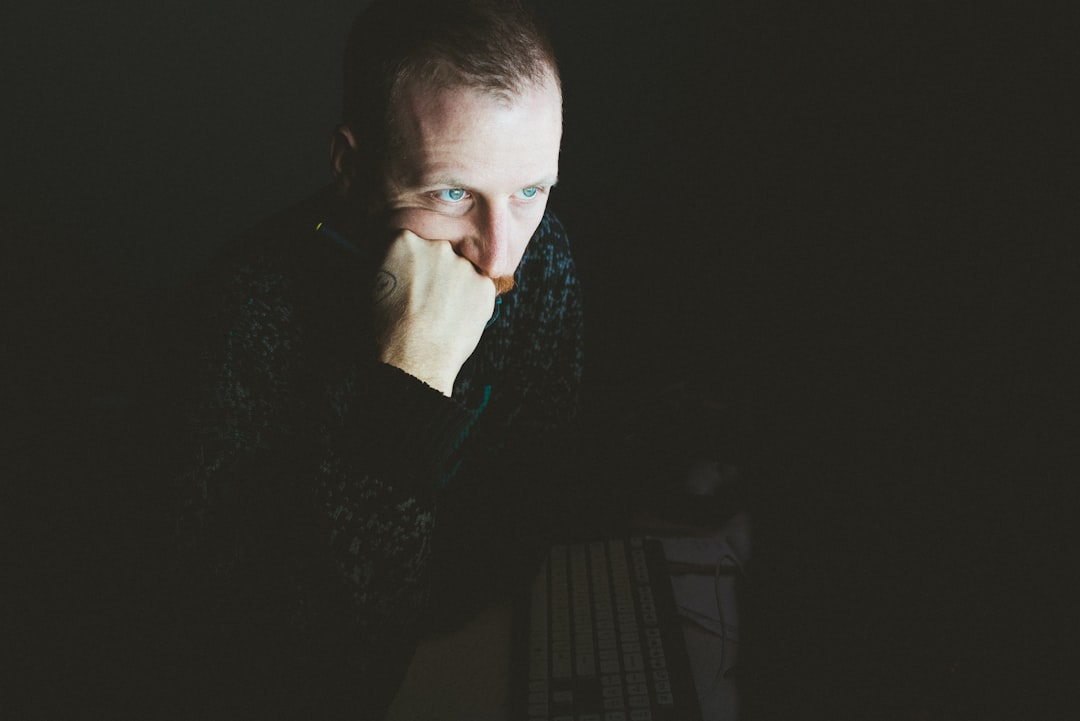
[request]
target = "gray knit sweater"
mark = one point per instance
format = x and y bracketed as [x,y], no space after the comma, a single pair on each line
[329,506]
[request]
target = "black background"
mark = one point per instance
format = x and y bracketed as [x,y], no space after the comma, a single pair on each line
[852,226]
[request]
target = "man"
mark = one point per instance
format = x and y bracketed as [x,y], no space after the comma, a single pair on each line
[387,375]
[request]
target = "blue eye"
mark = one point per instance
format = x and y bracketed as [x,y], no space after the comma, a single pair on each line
[451,195]
[529,192]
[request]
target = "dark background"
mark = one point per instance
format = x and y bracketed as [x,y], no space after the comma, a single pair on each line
[853,227]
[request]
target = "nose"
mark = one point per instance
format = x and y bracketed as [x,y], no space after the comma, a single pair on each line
[489,247]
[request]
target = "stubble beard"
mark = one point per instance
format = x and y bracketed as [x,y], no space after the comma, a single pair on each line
[503,284]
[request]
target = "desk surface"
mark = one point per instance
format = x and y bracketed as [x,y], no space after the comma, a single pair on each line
[464,675]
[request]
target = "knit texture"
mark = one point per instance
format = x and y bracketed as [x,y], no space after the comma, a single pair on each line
[324,497]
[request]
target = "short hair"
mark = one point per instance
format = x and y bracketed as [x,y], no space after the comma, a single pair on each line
[495,46]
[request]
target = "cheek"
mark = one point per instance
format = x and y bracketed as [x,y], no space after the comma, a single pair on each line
[428,225]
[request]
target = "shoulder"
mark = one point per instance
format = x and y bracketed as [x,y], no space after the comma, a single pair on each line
[271,280]
[549,255]
[551,226]
[288,241]
[547,290]
[551,233]
[293,253]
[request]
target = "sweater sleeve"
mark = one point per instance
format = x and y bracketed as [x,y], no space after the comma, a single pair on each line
[305,495]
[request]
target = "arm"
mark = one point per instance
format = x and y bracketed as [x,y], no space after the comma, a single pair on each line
[307,483]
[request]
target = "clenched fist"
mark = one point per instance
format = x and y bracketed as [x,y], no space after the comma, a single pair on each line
[431,307]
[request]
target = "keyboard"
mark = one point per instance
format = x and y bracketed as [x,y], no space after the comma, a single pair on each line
[604,639]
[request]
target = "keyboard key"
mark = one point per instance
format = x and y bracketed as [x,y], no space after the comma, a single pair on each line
[641,714]
[562,697]
[611,679]
[586,664]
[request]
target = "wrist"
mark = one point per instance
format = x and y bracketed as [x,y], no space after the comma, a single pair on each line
[437,379]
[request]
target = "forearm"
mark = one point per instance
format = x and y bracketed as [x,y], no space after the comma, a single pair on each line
[292,462]
[318,535]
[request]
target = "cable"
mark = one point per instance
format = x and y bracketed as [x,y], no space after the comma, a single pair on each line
[737,565]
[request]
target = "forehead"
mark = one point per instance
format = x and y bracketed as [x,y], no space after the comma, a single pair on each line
[462,131]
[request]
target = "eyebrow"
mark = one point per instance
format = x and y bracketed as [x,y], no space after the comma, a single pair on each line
[449,181]
[442,181]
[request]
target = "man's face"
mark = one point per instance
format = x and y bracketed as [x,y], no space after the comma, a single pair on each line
[474,170]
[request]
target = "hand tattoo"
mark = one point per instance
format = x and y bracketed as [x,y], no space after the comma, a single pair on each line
[385,283]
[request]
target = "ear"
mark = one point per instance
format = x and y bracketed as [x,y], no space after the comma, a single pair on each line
[343,158]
